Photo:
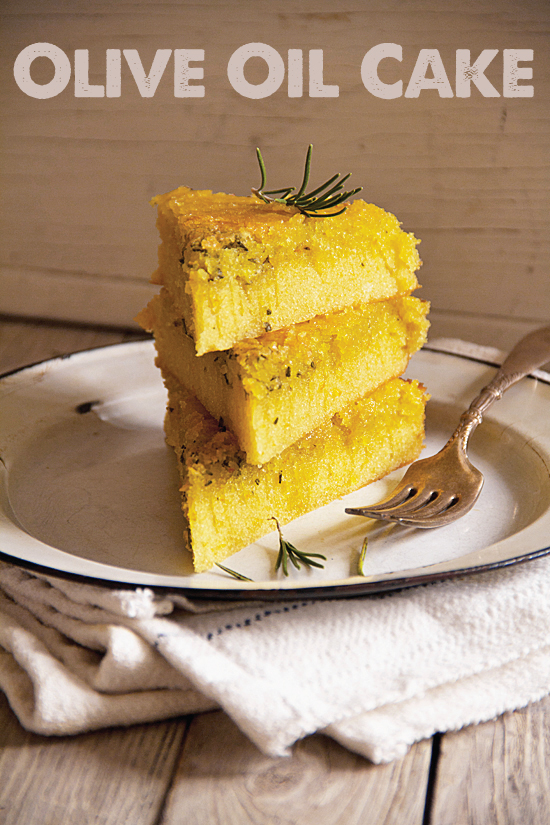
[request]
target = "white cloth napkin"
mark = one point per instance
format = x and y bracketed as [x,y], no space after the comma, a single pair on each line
[376,673]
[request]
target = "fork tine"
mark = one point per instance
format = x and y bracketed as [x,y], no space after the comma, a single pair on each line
[431,502]
[446,517]
[422,517]
[410,506]
[440,501]
[402,494]
[443,509]
[450,507]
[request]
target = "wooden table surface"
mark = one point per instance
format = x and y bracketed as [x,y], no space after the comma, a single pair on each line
[201,770]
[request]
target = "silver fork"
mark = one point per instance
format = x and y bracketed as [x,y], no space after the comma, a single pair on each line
[437,490]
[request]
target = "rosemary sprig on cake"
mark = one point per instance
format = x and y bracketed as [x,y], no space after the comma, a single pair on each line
[312,204]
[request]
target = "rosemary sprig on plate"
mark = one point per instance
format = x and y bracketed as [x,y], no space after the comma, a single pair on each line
[312,204]
[287,552]
[362,556]
[234,573]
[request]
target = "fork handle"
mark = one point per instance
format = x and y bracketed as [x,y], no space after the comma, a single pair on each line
[530,353]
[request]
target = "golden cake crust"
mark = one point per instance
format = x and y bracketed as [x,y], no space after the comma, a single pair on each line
[203,214]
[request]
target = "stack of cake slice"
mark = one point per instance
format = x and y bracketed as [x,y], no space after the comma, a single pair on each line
[281,339]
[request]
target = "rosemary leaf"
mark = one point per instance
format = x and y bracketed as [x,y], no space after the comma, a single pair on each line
[305,180]
[287,552]
[362,557]
[324,186]
[312,204]
[234,573]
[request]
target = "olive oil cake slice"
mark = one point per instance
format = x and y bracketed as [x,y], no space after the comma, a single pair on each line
[236,267]
[271,390]
[228,504]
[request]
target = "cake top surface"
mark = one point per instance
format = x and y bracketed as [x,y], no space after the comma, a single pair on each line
[203,213]
[217,212]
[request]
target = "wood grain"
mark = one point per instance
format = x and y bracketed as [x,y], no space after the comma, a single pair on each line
[490,330]
[110,777]
[469,176]
[497,772]
[222,779]
[25,342]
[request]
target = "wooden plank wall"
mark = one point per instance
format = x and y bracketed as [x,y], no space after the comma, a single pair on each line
[468,175]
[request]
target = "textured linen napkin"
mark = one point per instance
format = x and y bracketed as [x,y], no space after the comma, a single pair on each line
[375,673]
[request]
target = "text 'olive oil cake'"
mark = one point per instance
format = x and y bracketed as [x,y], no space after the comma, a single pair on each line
[283,323]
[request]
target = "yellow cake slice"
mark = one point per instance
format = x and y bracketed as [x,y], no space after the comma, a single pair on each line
[228,503]
[271,390]
[236,267]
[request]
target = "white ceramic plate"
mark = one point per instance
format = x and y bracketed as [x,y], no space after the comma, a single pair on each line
[88,487]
